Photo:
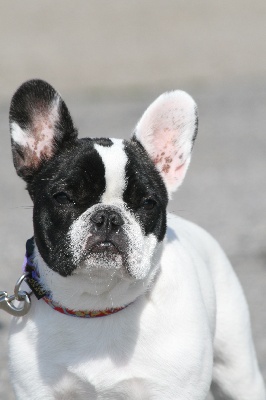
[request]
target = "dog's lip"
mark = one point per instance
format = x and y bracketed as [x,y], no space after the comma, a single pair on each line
[105,246]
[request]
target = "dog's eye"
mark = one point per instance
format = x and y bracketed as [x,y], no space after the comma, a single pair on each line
[148,204]
[62,198]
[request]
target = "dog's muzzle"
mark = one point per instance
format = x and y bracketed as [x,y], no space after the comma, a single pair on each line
[106,232]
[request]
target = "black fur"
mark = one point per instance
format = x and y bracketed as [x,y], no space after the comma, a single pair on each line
[145,182]
[33,98]
[78,172]
[72,179]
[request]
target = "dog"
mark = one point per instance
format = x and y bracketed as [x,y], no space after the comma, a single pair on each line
[136,303]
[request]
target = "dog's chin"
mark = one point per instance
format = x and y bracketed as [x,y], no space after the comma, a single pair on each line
[102,263]
[102,270]
[102,257]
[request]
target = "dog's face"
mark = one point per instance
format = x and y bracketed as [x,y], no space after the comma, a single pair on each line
[99,204]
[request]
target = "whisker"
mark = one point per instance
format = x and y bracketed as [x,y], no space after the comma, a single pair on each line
[24,207]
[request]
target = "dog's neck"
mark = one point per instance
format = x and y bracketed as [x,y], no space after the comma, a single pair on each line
[84,291]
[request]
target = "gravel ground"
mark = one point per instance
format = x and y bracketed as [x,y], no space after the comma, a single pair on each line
[223,66]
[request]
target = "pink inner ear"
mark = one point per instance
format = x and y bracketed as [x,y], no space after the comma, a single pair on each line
[42,135]
[37,141]
[166,130]
[171,160]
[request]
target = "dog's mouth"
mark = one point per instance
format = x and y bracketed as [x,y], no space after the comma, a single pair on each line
[106,247]
[104,253]
[101,257]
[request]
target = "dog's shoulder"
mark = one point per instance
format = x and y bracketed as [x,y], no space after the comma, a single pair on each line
[188,233]
[199,246]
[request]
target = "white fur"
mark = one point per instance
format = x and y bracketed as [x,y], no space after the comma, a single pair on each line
[114,159]
[187,322]
[159,347]
[100,277]
[18,135]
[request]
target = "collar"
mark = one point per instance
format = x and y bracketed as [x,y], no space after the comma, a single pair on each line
[33,281]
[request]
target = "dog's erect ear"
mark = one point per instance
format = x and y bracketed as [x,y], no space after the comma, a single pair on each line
[167,131]
[40,125]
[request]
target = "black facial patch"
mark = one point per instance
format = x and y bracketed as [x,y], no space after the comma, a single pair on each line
[145,193]
[65,187]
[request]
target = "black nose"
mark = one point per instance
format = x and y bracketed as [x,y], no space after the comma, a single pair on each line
[107,220]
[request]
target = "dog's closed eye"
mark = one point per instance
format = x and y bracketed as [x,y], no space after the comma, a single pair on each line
[148,204]
[62,198]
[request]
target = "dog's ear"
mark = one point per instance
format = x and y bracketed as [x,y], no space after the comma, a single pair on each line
[167,131]
[40,125]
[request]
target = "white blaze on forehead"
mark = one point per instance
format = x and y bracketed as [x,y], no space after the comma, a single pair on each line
[114,159]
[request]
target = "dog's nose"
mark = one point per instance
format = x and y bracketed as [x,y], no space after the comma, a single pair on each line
[107,220]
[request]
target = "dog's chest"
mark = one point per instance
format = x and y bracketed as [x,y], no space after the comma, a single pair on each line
[102,379]
[110,357]
[107,357]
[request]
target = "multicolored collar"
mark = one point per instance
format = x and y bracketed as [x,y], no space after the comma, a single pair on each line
[33,281]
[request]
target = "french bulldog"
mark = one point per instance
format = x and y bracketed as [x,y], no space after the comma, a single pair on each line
[138,304]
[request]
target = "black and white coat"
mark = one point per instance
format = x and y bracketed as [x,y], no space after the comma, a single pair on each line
[103,239]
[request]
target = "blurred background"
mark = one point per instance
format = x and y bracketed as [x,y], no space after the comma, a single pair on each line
[109,60]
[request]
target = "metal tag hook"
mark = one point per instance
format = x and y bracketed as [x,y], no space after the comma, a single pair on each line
[6,302]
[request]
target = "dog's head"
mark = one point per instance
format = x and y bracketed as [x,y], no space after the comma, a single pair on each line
[99,204]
